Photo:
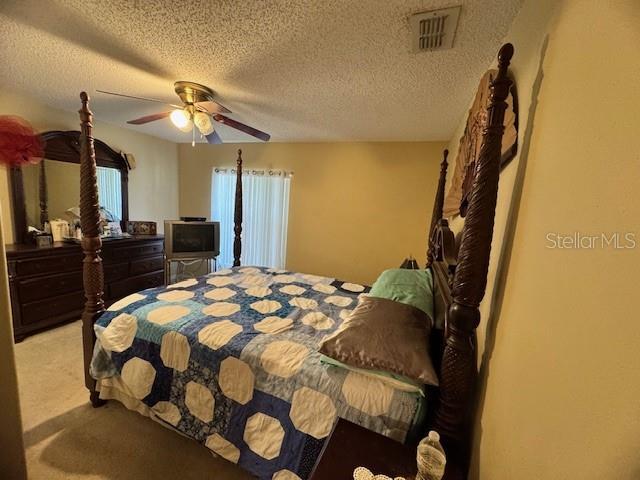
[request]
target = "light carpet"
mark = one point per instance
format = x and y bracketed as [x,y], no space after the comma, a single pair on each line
[65,438]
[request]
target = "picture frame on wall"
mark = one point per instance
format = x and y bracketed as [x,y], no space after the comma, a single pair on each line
[457,199]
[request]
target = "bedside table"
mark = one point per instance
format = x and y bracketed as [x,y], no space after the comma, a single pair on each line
[352,446]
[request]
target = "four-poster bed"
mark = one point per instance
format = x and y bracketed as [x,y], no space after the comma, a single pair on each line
[459,274]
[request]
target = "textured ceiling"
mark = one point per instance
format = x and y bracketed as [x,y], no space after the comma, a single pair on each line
[302,70]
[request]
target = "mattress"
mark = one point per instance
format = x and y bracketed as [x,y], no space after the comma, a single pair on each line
[231,360]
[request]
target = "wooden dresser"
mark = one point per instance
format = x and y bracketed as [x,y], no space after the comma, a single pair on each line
[46,283]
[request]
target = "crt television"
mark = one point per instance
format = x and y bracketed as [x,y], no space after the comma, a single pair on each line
[191,239]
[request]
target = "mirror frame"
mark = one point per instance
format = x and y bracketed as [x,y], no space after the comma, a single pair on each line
[64,146]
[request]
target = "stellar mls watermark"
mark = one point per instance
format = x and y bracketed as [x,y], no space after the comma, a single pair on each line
[598,241]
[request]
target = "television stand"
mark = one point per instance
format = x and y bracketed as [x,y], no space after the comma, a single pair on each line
[186,264]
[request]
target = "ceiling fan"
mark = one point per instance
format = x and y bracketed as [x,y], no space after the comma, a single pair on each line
[197,111]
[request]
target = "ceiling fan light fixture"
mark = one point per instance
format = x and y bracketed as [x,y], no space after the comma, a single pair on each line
[192,114]
[181,119]
[203,122]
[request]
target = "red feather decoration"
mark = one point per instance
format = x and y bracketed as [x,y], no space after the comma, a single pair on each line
[19,143]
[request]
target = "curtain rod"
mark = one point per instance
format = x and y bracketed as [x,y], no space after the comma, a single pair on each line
[256,171]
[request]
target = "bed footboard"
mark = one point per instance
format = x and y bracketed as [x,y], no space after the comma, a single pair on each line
[237,214]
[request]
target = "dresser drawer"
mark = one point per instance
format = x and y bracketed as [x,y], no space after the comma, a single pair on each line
[136,251]
[118,290]
[46,283]
[146,265]
[115,271]
[51,264]
[42,310]
[49,286]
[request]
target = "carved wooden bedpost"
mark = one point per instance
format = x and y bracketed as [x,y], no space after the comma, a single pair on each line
[19,199]
[237,216]
[438,206]
[44,209]
[469,282]
[92,273]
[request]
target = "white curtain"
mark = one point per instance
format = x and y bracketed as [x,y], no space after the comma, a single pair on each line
[109,193]
[265,209]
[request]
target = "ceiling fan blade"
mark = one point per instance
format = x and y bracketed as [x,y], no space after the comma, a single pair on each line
[211,106]
[242,127]
[214,138]
[141,98]
[149,118]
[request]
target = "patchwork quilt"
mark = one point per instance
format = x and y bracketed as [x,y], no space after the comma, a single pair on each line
[231,361]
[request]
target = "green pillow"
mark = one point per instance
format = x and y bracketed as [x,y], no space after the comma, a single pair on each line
[411,287]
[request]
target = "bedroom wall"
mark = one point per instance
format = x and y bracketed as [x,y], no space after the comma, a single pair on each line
[355,208]
[560,379]
[153,186]
[12,458]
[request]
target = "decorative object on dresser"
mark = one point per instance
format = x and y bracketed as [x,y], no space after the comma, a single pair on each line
[141,228]
[43,240]
[46,283]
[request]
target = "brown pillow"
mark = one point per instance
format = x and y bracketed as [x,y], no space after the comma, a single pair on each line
[385,335]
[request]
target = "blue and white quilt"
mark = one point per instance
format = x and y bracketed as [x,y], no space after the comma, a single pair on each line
[231,361]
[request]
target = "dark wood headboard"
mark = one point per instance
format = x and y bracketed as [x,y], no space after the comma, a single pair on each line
[460,277]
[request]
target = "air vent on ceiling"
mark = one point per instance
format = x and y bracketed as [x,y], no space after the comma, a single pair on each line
[434,30]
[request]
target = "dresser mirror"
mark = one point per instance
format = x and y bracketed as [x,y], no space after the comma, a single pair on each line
[50,190]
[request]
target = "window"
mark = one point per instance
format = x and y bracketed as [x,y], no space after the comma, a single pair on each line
[109,190]
[265,208]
